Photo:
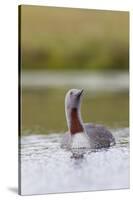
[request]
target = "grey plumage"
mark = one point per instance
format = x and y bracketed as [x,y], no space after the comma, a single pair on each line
[98,135]
[80,135]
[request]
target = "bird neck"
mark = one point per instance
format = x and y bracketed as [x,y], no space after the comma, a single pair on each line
[75,123]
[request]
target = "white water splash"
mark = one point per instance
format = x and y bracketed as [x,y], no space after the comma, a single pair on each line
[46,168]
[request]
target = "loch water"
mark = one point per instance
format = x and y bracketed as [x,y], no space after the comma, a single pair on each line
[47,168]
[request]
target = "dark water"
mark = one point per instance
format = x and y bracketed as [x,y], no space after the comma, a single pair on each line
[105,99]
[43,110]
[45,167]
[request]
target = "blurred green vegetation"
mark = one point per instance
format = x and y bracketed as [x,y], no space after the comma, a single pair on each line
[66,38]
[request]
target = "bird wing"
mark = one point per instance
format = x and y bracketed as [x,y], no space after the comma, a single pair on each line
[99,136]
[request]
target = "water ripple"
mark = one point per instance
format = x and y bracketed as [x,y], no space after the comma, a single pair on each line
[46,168]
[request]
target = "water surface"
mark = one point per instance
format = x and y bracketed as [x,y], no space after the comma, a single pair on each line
[46,168]
[105,99]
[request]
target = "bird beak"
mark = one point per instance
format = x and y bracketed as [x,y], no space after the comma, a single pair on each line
[80,92]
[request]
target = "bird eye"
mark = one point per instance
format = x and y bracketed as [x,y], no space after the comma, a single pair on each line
[71,93]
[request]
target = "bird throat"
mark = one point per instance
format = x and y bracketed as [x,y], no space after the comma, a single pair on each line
[75,122]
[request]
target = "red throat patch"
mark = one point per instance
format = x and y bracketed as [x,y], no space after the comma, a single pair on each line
[75,124]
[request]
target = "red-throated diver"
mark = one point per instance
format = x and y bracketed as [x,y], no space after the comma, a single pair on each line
[80,135]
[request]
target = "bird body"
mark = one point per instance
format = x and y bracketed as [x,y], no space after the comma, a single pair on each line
[83,135]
